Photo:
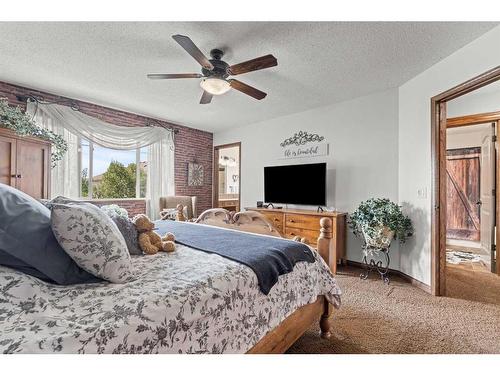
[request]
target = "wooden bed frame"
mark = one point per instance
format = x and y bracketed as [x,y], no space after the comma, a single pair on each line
[284,335]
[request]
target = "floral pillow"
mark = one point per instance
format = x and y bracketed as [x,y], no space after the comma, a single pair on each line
[94,242]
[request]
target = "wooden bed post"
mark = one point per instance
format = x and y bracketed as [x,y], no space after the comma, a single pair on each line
[325,242]
[324,249]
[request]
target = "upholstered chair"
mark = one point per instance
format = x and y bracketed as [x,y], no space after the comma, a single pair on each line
[187,201]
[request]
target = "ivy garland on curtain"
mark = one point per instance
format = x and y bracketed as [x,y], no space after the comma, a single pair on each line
[15,119]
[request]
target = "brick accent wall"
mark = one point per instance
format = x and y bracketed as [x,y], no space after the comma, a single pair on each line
[133,206]
[187,149]
[191,145]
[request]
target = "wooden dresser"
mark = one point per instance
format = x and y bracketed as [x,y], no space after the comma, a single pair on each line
[305,223]
[25,163]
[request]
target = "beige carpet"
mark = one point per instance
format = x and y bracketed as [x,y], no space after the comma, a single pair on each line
[401,318]
[472,281]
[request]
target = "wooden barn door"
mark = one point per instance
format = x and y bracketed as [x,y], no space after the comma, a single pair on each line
[463,194]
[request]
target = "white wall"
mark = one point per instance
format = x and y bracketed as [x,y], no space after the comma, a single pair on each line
[362,162]
[467,136]
[415,140]
[486,99]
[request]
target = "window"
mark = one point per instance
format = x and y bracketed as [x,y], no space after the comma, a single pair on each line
[109,173]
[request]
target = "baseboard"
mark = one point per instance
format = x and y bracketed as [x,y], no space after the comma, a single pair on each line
[426,288]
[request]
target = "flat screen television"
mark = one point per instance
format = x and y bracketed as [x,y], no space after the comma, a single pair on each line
[296,184]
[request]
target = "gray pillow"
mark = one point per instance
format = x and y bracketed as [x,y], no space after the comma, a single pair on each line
[94,242]
[129,233]
[28,244]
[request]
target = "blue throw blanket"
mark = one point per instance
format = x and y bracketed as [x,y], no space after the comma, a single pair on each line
[267,256]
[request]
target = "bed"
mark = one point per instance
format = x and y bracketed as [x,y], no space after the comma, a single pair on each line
[185,302]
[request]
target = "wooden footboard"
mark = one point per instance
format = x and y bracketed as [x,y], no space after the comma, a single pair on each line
[290,330]
[294,326]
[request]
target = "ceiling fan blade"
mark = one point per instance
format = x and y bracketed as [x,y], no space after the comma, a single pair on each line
[206,97]
[172,76]
[262,62]
[249,90]
[194,51]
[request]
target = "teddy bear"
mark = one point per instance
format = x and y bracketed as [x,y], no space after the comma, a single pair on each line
[179,215]
[150,242]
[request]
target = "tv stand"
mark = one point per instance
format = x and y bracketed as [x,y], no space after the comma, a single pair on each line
[291,223]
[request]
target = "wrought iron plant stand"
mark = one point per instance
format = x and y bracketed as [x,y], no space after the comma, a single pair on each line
[369,266]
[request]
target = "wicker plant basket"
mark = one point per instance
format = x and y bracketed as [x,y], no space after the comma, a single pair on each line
[378,238]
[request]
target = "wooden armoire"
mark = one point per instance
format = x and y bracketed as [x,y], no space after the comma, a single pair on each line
[25,163]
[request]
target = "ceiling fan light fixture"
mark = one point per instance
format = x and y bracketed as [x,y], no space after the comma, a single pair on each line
[215,86]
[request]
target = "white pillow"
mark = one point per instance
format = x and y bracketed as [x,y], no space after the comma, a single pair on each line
[92,240]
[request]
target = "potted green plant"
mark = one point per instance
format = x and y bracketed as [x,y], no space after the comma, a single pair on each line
[15,119]
[379,221]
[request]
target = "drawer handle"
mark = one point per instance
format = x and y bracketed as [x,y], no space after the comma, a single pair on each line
[292,234]
[276,219]
[292,221]
[16,176]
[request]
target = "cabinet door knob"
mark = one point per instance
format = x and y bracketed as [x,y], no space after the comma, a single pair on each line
[19,176]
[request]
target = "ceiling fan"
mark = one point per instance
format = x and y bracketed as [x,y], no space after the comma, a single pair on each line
[216,72]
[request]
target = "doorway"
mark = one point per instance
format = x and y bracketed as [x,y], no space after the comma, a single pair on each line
[227,173]
[439,125]
[471,212]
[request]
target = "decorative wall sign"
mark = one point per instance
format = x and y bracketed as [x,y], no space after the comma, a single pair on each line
[195,174]
[303,145]
[301,138]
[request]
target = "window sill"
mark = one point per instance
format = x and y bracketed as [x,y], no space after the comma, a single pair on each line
[111,200]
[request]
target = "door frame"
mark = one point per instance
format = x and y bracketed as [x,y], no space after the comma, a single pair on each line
[438,159]
[215,177]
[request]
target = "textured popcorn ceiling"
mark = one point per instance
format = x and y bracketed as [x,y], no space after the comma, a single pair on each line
[318,63]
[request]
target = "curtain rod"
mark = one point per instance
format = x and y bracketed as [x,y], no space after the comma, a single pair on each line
[40,100]
[152,122]
[75,107]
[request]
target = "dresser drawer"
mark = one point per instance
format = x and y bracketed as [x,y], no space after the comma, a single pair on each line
[310,235]
[276,220]
[302,221]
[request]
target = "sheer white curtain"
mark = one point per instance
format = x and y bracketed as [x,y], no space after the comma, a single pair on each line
[65,176]
[73,124]
[161,182]
[103,133]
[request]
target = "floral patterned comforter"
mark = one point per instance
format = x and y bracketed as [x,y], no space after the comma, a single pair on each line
[184,302]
